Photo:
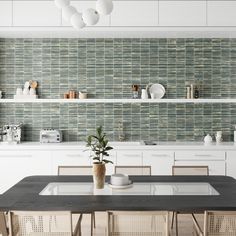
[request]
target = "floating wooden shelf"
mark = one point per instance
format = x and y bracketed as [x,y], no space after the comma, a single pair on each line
[201,100]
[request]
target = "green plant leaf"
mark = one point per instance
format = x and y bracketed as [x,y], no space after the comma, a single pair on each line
[107,161]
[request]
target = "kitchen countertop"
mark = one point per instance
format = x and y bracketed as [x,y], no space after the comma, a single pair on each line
[121,146]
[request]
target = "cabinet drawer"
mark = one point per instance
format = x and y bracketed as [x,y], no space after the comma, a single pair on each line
[69,158]
[130,158]
[199,155]
[215,167]
[161,162]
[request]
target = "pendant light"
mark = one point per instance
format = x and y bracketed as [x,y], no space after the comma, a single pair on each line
[77,21]
[104,7]
[62,3]
[90,16]
[68,12]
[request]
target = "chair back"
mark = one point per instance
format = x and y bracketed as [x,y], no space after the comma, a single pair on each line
[75,170]
[138,223]
[190,170]
[133,170]
[219,223]
[36,223]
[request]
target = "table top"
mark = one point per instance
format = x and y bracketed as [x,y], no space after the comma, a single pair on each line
[25,196]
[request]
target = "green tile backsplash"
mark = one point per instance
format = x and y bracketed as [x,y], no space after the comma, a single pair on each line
[107,68]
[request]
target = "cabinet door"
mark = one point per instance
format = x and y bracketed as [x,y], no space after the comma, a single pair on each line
[161,162]
[231,164]
[83,5]
[215,167]
[198,155]
[5,13]
[182,13]
[69,158]
[15,165]
[36,13]
[135,13]
[221,13]
[129,158]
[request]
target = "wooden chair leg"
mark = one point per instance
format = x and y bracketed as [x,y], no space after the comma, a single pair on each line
[172,220]
[176,224]
[3,225]
[77,231]
[94,223]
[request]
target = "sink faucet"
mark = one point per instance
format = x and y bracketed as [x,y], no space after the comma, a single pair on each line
[121,131]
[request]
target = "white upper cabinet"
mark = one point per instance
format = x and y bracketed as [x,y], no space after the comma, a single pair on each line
[83,5]
[135,13]
[182,13]
[221,13]
[36,13]
[5,13]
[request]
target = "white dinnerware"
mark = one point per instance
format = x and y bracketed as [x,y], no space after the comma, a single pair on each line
[119,180]
[157,90]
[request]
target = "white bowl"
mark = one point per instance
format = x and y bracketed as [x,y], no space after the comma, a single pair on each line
[119,179]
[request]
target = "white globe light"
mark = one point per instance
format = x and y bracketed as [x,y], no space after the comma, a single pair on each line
[77,21]
[90,16]
[68,12]
[62,3]
[104,7]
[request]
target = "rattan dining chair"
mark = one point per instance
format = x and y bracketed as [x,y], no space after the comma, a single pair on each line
[3,224]
[38,223]
[217,223]
[78,170]
[138,223]
[186,170]
[133,170]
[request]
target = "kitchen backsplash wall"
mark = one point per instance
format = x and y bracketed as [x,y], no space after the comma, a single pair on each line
[106,68]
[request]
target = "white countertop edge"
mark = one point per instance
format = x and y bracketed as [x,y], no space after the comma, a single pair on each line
[121,146]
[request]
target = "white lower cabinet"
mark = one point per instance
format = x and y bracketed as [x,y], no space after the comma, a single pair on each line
[129,158]
[15,165]
[161,162]
[69,158]
[215,167]
[215,160]
[231,164]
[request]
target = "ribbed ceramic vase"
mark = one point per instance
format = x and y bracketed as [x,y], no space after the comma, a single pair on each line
[99,173]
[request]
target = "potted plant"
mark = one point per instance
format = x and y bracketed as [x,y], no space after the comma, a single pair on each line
[98,144]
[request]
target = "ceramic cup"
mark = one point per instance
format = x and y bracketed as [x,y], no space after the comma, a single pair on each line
[119,179]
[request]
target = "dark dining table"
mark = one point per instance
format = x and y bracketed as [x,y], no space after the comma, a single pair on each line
[25,196]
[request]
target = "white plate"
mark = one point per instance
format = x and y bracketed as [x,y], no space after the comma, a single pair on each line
[158,90]
[121,186]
